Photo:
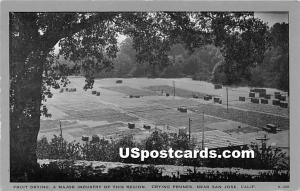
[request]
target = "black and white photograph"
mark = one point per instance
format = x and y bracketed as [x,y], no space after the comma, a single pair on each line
[149,96]
[85,84]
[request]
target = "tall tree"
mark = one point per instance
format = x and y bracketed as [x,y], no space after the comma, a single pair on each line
[280,43]
[126,62]
[32,73]
[242,39]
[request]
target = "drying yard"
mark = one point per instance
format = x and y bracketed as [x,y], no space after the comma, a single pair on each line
[226,115]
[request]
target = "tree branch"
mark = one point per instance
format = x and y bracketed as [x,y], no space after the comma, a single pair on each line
[52,36]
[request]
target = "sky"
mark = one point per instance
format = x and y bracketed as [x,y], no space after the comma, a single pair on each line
[272,17]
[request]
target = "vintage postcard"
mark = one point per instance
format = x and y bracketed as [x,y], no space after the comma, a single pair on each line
[149,95]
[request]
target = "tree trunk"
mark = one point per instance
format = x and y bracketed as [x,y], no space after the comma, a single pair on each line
[26,93]
[23,160]
[27,55]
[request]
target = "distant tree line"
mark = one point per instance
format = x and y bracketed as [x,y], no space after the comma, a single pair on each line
[198,64]
[207,63]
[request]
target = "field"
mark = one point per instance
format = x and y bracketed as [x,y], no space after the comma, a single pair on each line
[264,108]
[130,91]
[82,113]
[178,91]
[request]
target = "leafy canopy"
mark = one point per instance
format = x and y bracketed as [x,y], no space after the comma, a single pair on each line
[89,40]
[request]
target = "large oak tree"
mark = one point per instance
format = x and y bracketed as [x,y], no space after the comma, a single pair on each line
[90,40]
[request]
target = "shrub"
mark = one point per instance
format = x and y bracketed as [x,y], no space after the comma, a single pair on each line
[105,150]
